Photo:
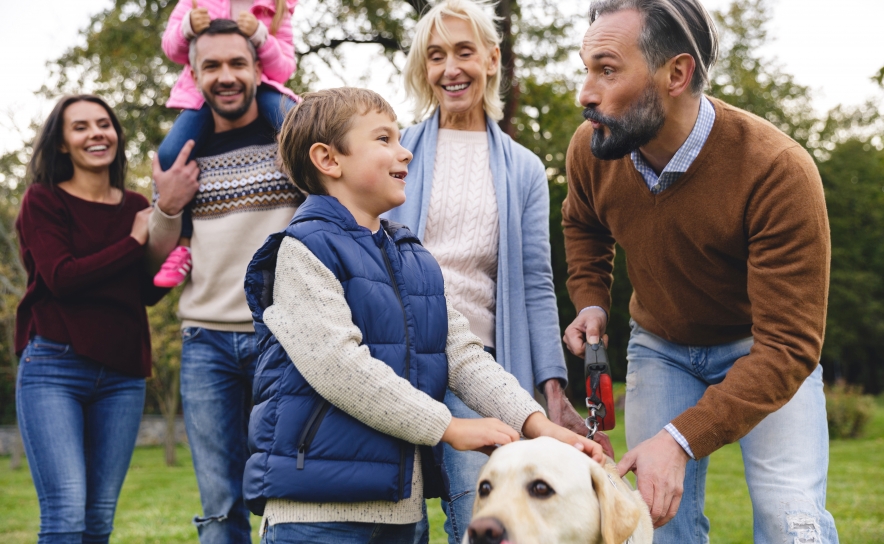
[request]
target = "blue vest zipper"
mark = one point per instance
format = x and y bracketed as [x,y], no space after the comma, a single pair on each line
[407,365]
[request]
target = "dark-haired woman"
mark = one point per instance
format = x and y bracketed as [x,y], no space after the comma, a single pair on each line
[81,328]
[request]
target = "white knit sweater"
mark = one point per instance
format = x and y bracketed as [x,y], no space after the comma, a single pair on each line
[462,229]
[313,323]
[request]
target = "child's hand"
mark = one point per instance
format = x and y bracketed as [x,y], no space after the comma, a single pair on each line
[199,18]
[247,23]
[478,434]
[538,425]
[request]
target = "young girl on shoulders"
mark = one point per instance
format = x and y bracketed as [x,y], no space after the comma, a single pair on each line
[267,24]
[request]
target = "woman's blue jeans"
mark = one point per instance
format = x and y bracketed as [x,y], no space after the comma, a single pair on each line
[78,421]
[786,456]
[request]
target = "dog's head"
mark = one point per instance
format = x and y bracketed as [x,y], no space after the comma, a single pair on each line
[542,490]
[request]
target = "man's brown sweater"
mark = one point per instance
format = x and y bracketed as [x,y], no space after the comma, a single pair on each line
[738,246]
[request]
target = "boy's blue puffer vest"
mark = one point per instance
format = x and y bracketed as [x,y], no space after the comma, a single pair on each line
[304,449]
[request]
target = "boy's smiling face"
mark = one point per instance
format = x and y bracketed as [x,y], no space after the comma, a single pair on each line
[372,174]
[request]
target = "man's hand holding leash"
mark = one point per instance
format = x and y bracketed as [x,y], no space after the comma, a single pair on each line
[658,463]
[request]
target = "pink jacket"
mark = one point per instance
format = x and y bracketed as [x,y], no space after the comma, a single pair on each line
[277,55]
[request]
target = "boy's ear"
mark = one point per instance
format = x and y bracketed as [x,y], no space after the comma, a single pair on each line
[324,158]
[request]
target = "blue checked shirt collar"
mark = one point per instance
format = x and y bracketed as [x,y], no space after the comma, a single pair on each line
[685,155]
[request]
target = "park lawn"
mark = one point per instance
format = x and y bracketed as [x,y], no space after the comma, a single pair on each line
[158,502]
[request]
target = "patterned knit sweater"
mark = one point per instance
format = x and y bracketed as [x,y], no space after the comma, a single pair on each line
[242,198]
[311,319]
[462,227]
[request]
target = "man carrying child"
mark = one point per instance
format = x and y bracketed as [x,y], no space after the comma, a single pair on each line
[241,197]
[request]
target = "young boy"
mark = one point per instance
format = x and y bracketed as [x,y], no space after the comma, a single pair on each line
[358,345]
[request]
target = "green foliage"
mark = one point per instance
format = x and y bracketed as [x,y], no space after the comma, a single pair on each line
[853,178]
[848,411]
[746,80]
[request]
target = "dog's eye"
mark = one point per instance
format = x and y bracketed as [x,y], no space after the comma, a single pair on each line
[540,489]
[485,488]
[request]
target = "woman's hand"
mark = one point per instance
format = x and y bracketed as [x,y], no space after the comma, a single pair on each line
[538,425]
[139,226]
[247,23]
[200,19]
[478,434]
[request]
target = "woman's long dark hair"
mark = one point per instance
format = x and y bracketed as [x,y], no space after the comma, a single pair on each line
[49,165]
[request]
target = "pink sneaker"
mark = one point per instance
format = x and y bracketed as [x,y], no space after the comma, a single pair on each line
[175,269]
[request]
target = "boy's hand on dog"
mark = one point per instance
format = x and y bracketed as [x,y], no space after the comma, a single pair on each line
[659,467]
[537,424]
[478,434]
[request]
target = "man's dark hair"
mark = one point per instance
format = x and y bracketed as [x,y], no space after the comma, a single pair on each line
[49,165]
[215,28]
[670,28]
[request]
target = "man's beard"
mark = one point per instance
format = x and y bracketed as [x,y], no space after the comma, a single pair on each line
[635,128]
[231,115]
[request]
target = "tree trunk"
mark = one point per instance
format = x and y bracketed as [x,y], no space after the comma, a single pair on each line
[509,85]
[170,414]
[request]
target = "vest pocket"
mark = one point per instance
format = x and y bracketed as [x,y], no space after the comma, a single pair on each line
[310,429]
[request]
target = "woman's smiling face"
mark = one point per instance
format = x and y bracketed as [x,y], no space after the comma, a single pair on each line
[89,136]
[458,68]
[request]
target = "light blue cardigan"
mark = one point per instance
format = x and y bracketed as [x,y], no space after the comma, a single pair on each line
[527,336]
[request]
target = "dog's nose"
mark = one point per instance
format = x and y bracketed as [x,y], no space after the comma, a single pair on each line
[486,531]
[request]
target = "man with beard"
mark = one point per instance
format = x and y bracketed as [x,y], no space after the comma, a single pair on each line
[241,198]
[724,225]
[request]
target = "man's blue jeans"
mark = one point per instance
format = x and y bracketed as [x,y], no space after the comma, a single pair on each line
[786,456]
[217,369]
[78,421]
[338,533]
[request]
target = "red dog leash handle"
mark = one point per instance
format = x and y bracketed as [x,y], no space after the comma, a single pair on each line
[599,389]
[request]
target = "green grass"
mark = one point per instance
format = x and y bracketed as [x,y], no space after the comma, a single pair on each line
[158,502]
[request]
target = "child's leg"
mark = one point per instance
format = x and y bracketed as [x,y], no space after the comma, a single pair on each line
[193,125]
[273,105]
[186,226]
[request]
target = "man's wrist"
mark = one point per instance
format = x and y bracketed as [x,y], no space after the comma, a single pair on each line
[679,439]
[170,213]
[599,307]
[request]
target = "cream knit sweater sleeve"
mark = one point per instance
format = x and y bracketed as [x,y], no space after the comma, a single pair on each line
[312,321]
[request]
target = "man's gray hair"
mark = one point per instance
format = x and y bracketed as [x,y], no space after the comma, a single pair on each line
[216,27]
[670,28]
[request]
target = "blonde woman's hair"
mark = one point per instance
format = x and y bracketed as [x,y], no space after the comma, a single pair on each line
[475,12]
[281,8]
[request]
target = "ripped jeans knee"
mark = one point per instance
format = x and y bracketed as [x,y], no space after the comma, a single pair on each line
[804,527]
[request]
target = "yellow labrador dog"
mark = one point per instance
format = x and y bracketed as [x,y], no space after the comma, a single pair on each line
[543,491]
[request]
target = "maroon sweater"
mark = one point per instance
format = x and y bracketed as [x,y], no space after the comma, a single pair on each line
[87,281]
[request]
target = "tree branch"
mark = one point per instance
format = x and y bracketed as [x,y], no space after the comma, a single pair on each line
[388,43]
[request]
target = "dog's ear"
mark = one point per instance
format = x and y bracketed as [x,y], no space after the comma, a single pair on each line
[619,514]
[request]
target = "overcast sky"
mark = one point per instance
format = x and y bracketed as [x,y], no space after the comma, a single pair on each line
[833,47]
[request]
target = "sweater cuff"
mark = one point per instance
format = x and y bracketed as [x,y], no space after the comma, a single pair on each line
[260,35]
[162,222]
[549,373]
[700,431]
[187,30]
[682,441]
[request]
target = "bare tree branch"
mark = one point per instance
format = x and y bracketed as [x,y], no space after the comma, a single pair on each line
[388,43]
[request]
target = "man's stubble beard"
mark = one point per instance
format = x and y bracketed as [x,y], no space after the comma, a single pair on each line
[639,125]
[233,115]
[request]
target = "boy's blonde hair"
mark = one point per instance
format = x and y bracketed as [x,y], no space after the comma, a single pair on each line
[476,13]
[323,117]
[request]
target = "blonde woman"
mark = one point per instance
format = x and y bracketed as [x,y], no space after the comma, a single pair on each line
[480,203]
